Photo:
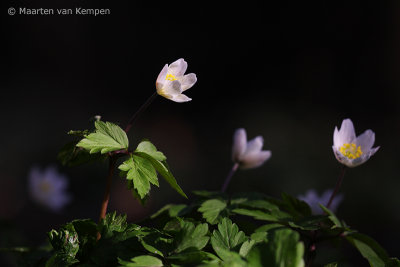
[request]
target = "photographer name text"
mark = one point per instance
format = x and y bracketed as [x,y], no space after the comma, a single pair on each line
[59,11]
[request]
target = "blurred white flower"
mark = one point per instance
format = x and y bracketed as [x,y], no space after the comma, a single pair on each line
[313,200]
[47,188]
[171,81]
[351,150]
[248,154]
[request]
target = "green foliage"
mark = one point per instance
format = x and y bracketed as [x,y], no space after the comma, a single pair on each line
[211,210]
[252,230]
[142,261]
[141,170]
[107,137]
[227,237]
[282,249]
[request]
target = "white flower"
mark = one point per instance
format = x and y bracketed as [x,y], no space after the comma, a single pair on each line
[351,150]
[171,81]
[47,188]
[248,154]
[313,200]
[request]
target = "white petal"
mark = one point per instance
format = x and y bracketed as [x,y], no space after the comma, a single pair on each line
[336,138]
[181,98]
[170,89]
[255,160]
[178,67]
[188,81]
[346,133]
[254,145]
[161,77]
[239,144]
[366,141]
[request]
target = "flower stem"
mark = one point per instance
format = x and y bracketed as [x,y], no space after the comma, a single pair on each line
[338,184]
[229,177]
[106,197]
[140,110]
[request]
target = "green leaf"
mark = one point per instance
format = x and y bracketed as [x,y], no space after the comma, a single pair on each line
[148,148]
[191,237]
[66,245]
[162,168]
[211,210]
[369,249]
[332,217]
[257,214]
[108,137]
[111,224]
[283,249]
[71,155]
[142,261]
[189,257]
[246,247]
[296,207]
[228,237]
[333,264]
[141,172]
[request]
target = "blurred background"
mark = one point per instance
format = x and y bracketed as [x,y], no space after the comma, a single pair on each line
[289,71]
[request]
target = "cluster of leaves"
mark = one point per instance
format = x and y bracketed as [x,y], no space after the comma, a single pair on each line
[107,139]
[215,230]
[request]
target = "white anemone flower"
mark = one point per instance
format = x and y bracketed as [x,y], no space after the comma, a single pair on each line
[248,154]
[313,200]
[171,81]
[351,150]
[47,188]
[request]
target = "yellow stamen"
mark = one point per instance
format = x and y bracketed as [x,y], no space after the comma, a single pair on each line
[45,187]
[351,151]
[170,77]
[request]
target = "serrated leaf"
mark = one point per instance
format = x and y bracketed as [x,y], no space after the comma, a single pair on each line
[246,247]
[211,210]
[141,172]
[369,249]
[283,249]
[296,207]
[112,223]
[191,237]
[108,137]
[141,261]
[148,148]
[162,168]
[228,237]
[71,155]
[332,217]
[189,257]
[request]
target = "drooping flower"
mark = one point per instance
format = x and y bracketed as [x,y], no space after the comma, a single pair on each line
[47,188]
[351,150]
[171,81]
[313,200]
[248,154]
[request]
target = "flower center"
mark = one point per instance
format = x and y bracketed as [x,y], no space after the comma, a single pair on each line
[351,151]
[45,187]
[170,77]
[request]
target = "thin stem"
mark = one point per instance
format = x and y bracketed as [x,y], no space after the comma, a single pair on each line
[106,197]
[338,184]
[229,177]
[140,110]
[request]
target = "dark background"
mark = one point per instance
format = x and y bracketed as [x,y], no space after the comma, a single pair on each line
[289,71]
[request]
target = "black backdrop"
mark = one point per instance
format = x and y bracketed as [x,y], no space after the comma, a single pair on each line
[290,71]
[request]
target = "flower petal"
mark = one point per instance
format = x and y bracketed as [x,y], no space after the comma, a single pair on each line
[188,81]
[239,144]
[178,67]
[180,98]
[254,145]
[346,134]
[255,160]
[170,88]
[366,141]
[161,77]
